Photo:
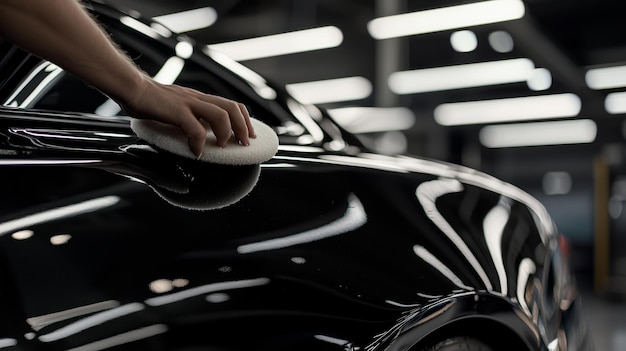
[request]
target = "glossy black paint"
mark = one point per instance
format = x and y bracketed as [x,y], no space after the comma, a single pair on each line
[133,248]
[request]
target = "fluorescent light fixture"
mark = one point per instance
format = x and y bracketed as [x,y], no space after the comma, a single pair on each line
[501,41]
[360,120]
[540,79]
[190,20]
[170,71]
[446,18]
[606,77]
[184,49]
[508,110]
[331,90]
[281,44]
[391,143]
[140,27]
[540,133]
[161,29]
[557,183]
[464,41]
[615,103]
[461,76]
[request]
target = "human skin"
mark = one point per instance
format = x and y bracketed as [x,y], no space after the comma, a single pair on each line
[63,32]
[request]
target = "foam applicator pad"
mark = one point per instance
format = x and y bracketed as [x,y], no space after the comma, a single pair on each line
[172,139]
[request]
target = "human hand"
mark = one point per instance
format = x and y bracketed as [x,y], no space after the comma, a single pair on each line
[185,108]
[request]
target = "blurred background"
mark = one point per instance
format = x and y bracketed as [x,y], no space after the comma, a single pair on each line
[532,92]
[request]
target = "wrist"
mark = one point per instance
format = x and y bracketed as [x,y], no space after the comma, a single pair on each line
[130,88]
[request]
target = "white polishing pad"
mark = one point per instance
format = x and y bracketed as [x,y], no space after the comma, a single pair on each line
[172,139]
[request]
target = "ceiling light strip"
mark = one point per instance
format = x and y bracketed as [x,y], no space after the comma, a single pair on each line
[331,90]
[281,44]
[539,133]
[190,20]
[360,120]
[508,110]
[140,27]
[615,103]
[606,77]
[446,18]
[461,76]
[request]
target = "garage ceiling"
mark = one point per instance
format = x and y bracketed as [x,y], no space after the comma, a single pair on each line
[566,37]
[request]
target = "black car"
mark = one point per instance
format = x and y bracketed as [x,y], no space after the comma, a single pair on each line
[108,243]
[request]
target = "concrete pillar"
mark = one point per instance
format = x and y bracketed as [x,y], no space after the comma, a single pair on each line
[389,54]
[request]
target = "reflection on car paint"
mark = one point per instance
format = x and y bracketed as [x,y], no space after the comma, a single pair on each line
[526,271]
[494,226]
[35,85]
[354,218]
[427,194]
[120,311]
[53,214]
[91,321]
[429,258]
[38,322]
[205,289]
[256,81]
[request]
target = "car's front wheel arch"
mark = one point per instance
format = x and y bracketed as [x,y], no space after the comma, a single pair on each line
[474,334]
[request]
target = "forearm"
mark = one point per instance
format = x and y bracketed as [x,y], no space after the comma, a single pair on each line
[62,32]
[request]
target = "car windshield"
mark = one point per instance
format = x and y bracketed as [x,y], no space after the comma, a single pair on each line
[173,60]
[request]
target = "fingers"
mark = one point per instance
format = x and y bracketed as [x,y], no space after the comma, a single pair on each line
[221,126]
[239,122]
[196,135]
[186,107]
[246,114]
[226,117]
